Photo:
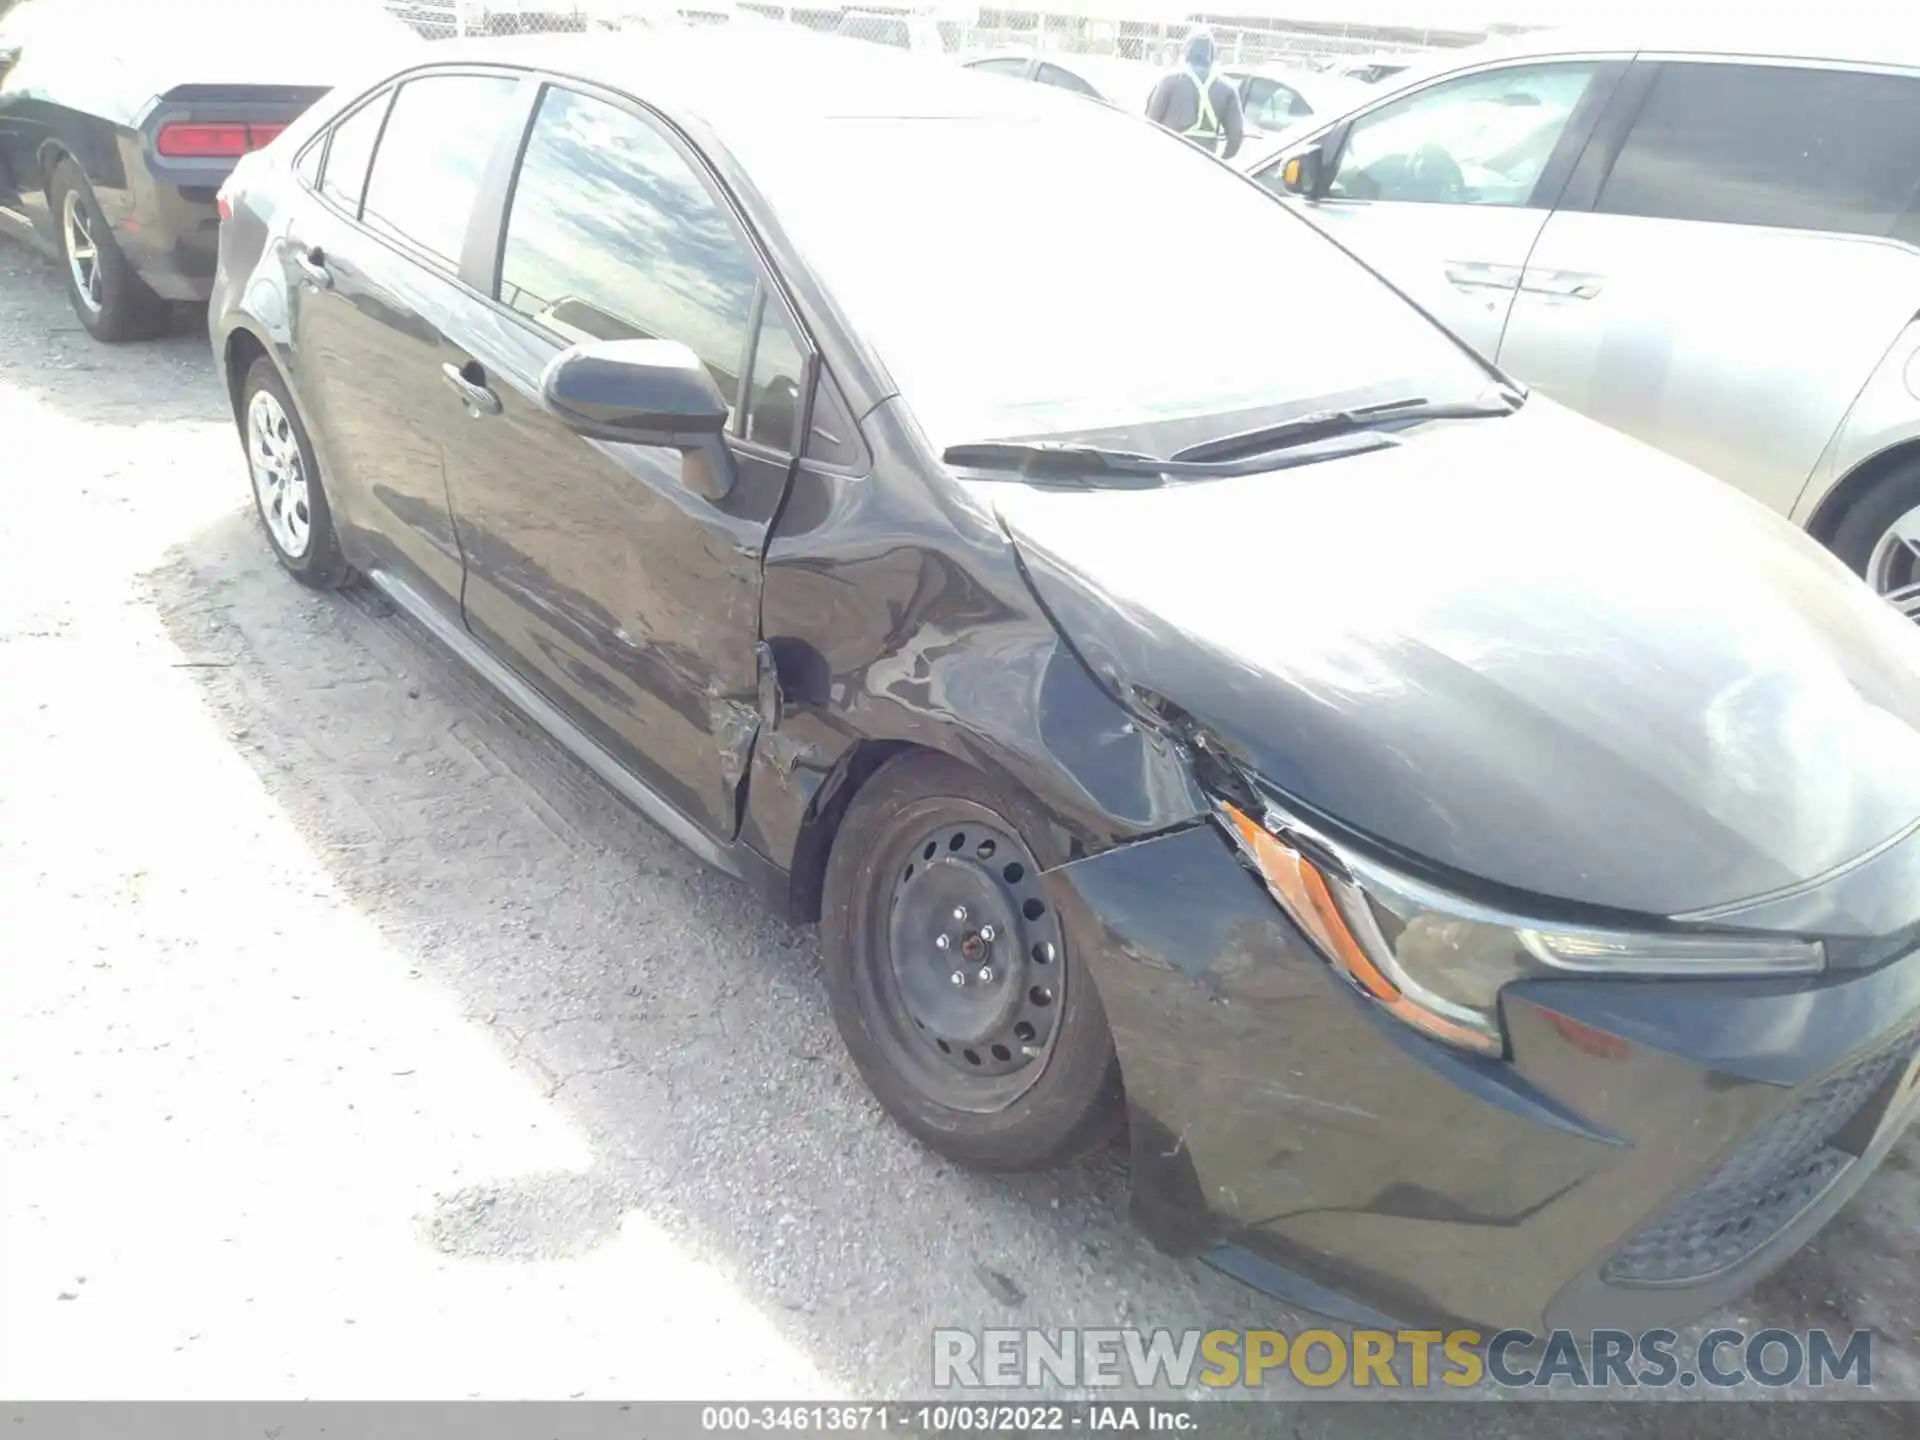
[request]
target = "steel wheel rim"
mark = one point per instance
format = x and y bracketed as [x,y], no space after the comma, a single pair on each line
[83,252]
[1893,569]
[972,1021]
[279,475]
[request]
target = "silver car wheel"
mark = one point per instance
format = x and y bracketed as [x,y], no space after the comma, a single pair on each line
[1893,569]
[83,252]
[279,474]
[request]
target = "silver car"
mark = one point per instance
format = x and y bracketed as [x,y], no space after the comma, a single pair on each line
[1712,246]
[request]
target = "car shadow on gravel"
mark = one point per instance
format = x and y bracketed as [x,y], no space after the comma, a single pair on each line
[677,1023]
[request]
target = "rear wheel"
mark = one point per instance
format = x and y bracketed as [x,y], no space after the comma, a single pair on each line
[1880,539]
[112,301]
[952,978]
[286,482]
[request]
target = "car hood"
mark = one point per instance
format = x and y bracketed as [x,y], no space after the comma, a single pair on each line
[1527,650]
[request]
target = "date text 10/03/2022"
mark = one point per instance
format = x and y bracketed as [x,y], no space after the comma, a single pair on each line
[916,1418]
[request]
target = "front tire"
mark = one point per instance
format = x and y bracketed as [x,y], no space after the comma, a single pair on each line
[287,493]
[991,1048]
[1880,539]
[112,301]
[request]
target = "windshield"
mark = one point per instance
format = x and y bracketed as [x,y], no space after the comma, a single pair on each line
[1052,273]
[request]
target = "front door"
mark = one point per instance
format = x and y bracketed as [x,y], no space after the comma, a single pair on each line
[1444,190]
[622,595]
[372,265]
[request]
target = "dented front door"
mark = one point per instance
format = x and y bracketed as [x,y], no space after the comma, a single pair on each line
[625,597]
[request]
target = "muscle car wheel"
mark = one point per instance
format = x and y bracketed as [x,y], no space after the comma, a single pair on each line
[111,300]
[286,482]
[953,980]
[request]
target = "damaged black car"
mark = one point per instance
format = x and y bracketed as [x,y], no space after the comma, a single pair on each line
[1473,858]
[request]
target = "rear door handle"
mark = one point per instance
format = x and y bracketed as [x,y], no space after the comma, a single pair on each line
[478,398]
[312,266]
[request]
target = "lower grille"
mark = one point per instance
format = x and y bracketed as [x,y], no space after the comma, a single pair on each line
[1758,1190]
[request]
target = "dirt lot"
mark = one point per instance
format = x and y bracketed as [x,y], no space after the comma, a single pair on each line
[358,1044]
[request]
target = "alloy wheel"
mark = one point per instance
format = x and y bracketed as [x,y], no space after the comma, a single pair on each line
[977,980]
[83,252]
[1893,569]
[279,474]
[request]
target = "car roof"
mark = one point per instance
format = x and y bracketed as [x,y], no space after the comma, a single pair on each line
[1888,38]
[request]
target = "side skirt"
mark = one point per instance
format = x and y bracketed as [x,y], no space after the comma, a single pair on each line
[737,860]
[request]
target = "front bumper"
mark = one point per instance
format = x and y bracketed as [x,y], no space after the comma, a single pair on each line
[1648,1150]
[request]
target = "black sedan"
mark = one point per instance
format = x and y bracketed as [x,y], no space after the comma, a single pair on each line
[1258,724]
[119,121]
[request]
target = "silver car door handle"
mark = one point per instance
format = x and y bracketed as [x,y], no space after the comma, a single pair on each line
[478,398]
[1469,275]
[1563,285]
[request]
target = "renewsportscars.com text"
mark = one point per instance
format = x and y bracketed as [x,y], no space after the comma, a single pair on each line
[1396,1359]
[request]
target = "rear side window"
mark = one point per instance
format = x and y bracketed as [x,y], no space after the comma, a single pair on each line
[612,235]
[344,180]
[1773,145]
[432,154]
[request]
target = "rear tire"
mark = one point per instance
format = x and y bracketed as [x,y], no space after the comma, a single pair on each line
[287,491]
[1012,1072]
[113,302]
[1879,538]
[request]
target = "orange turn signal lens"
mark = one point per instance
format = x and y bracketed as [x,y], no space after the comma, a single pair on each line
[1307,895]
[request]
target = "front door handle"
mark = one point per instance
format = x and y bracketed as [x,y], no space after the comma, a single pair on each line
[478,399]
[1474,275]
[312,266]
[1562,284]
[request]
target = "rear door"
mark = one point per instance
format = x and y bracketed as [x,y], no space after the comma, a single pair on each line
[1445,189]
[373,266]
[623,596]
[1731,259]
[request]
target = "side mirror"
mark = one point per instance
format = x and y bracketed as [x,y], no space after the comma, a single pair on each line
[644,392]
[1300,174]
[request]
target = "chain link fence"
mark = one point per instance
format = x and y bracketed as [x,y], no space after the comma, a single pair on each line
[1349,47]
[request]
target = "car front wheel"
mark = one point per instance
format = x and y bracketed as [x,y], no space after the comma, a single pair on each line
[952,978]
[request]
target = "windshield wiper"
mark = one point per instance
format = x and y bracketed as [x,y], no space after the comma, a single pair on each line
[1321,424]
[1060,461]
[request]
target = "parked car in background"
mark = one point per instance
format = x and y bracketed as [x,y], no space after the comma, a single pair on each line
[1372,69]
[118,123]
[898,31]
[1278,99]
[1121,83]
[1711,242]
[1477,854]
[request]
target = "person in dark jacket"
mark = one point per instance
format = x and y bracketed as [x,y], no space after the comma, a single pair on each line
[1194,102]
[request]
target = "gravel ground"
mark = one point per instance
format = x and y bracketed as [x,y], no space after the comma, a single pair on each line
[358,1044]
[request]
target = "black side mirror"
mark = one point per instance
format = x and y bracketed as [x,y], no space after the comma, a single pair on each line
[645,392]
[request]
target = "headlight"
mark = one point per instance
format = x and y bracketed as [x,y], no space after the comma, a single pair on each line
[1438,962]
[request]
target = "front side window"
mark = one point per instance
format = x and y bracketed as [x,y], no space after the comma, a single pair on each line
[1482,139]
[1773,145]
[612,235]
[350,151]
[1273,106]
[432,156]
